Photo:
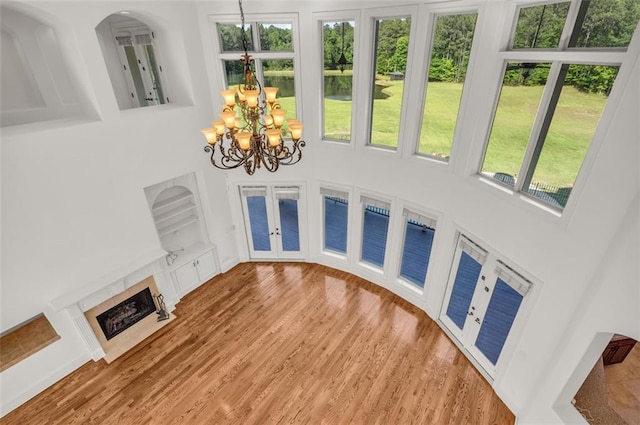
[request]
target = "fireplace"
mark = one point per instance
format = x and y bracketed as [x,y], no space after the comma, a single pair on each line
[126,314]
[125,319]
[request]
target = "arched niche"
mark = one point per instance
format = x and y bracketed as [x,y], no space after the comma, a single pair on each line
[134,58]
[38,82]
[176,211]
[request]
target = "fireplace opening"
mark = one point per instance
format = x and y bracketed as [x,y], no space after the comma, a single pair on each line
[126,314]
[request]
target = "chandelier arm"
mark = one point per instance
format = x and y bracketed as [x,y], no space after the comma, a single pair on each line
[270,163]
[286,155]
[222,166]
[294,154]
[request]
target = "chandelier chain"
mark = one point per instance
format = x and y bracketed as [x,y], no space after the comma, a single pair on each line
[244,31]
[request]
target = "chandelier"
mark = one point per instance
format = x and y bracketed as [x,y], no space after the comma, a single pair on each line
[252,125]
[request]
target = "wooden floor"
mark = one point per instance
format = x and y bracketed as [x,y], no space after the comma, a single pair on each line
[279,343]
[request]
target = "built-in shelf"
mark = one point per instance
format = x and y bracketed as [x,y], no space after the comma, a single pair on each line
[172,201]
[174,212]
[162,231]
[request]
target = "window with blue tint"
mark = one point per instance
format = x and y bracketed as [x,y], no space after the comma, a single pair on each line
[463,289]
[336,211]
[257,207]
[503,307]
[418,240]
[374,231]
[289,224]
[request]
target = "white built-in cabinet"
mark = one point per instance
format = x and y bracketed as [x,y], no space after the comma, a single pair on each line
[177,214]
[193,273]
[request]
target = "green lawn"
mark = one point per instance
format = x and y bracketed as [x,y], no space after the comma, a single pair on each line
[569,136]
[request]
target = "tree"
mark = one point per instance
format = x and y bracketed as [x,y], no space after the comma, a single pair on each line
[389,31]
[452,40]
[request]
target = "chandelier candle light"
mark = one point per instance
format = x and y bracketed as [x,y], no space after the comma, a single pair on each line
[253,124]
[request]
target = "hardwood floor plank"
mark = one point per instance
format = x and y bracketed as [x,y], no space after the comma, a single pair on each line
[279,343]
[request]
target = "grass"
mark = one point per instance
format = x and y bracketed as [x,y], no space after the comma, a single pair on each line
[572,127]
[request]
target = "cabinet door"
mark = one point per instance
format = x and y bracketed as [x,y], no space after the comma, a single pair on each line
[206,266]
[187,277]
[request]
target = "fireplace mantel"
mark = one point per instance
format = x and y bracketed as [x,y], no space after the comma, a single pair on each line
[98,291]
[94,288]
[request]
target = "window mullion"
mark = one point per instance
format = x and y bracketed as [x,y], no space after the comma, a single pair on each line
[540,128]
[553,90]
[256,36]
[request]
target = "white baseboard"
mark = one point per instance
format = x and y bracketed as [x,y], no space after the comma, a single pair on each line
[12,401]
[229,264]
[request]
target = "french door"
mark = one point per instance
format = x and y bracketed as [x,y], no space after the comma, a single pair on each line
[481,303]
[273,217]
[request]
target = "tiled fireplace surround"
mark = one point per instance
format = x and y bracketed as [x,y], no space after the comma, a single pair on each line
[86,303]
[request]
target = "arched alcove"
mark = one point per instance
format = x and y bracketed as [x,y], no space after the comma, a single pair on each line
[176,210]
[133,61]
[176,215]
[37,81]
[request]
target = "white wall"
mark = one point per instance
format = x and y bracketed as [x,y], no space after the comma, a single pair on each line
[74,206]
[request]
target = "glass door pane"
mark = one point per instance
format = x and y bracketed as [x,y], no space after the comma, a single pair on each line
[502,310]
[288,210]
[136,76]
[336,212]
[374,234]
[418,239]
[259,223]
[464,287]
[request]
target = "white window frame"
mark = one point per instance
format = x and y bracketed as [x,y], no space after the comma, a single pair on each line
[557,57]
[428,14]
[254,20]
[380,199]
[319,18]
[349,249]
[368,59]
[433,221]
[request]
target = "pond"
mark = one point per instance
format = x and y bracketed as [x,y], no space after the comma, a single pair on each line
[337,87]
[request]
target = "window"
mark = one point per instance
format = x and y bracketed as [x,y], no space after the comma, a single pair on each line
[335,223]
[450,49]
[387,86]
[270,44]
[374,230]
[418,240]
[549,106]
[338,48]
